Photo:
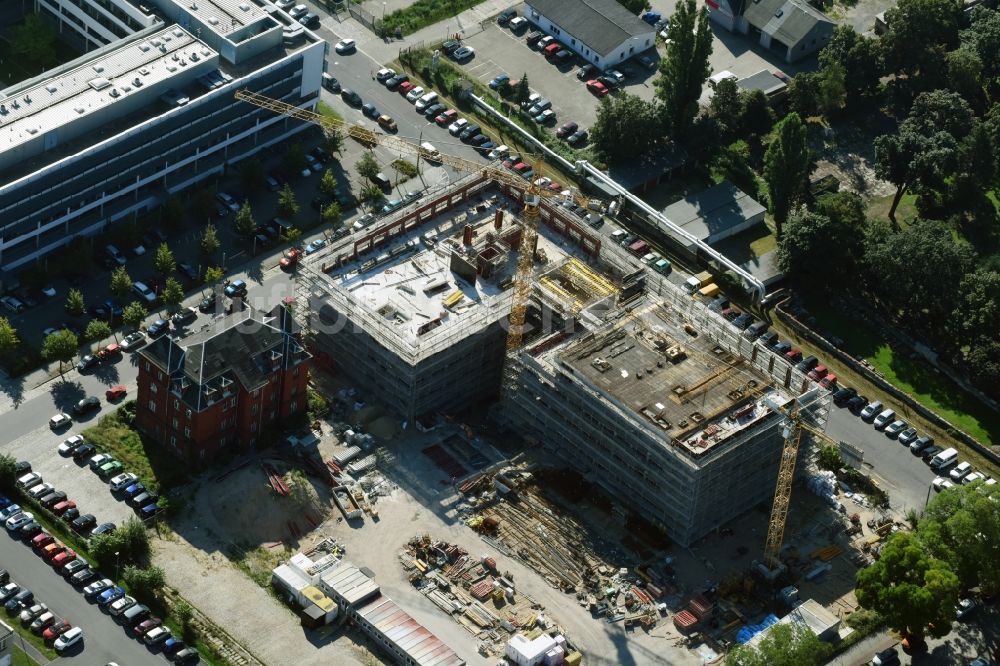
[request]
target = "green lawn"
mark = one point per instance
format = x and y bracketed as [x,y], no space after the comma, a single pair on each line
[154,465]
[879,208]
[37,641]
[327,111]
[19,658]
[915,376]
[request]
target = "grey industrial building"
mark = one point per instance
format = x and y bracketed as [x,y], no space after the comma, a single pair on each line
[653,397]
[793,28]
[147,112]
[719,212]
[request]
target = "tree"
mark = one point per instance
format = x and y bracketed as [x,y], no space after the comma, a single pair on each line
[933,24]
[301,488]
[726,106]
[164,262]
[328,183]
[74,303]
[134,314]
[832,89]
[252,174]
[803,94]
[911,589]
[965,74]
[983,37]
[129,544]
[756,117]
[861,59]
[121,282]
[209,240]
[978,307]
[213,275]
[962,527]
[8,336]
[97,330]
[243,223]
[917,272]
[635,6]
[787,165]
[626,127]
[334,139]
[144,582]
[60,346]
[8,470]
[288,206]
[925,148]
[294,159]
[790,644]
[173,293]
[684,67]
[813,242]
[367,167]
[523,91]
[34,41]
[331,213]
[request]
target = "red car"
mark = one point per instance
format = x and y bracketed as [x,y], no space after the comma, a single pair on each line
[555,187]
[62,507]
[111,351]
[146,626]
[818,373]
[51,550]
[447,118]
[40,541]
[829,382]
[597,88]
[115,393]
[292,258]
[405,87]
[63,558]
[56,630]
[552,49]
[521,167]
[794,355]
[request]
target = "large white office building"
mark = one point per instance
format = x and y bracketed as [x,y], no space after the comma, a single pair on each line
[145,114]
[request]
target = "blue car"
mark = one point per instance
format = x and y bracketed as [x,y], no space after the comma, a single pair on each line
[135,489]
[157,328]
[149,511]
[499,81]
[4,501]
[236,288]
[110,595]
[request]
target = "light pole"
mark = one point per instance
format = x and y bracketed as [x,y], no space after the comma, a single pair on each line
[116,564]
[383,10]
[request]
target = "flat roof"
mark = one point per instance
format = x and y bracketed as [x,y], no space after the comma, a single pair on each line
[698,399]
[409,636]
[764,81]
[224,16]
[713,211]
[98,83]
[350,583]
[414,290]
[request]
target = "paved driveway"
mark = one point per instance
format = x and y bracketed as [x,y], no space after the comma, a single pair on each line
[103,639]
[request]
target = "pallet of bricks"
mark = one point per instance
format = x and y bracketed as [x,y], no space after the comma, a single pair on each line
[698,609]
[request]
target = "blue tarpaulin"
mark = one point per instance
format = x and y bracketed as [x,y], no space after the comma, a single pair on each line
[748,631]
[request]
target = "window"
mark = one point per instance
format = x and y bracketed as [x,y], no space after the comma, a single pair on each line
[153,388]
[187,432]
[232,403]
[188,414]
[148,366]
[253,427]
[159,376]
[152,405]
[175,424]
[177,404]
[173,441]
[273,414]
[293,406]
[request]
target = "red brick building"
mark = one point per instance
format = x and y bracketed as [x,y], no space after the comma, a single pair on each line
[216,391]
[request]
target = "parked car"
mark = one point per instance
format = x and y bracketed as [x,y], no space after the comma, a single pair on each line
[39,624]
[60,421]
[122,481]
[345,47]
[884,418]
[577,138]
[236,288]
[871,410]
[351,97]
[87,405]
[19,520]
[56,629]
[156,636]
[29,614]
[119,606]
[133,341]
[83,576]
[72,637]
[144,292]
[919,445]
[110,595]
[145,626]
[94,590]
[84,451]
[463,54]
[394,82]
[597,88]
[115,393]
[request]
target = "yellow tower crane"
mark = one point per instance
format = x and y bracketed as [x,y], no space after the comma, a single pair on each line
[530,214]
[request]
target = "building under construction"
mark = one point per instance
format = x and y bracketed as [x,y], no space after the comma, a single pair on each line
[638,385]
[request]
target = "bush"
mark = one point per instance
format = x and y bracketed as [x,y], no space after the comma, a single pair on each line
[405,167]
[130,541]
[144,582]
[318,406]
[421,14]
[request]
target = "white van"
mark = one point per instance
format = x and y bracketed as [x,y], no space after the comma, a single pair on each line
[429,152]
[426,100]
[945,459]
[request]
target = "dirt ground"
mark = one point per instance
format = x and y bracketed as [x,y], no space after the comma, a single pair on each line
[847,152]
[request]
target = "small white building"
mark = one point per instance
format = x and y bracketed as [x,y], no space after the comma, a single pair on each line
[543,649]
[601,31]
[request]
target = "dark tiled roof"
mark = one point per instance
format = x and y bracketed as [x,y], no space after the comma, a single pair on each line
[600,24]
[241,347]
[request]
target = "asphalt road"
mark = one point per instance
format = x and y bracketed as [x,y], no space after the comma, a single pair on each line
[906,477]
[103,639]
